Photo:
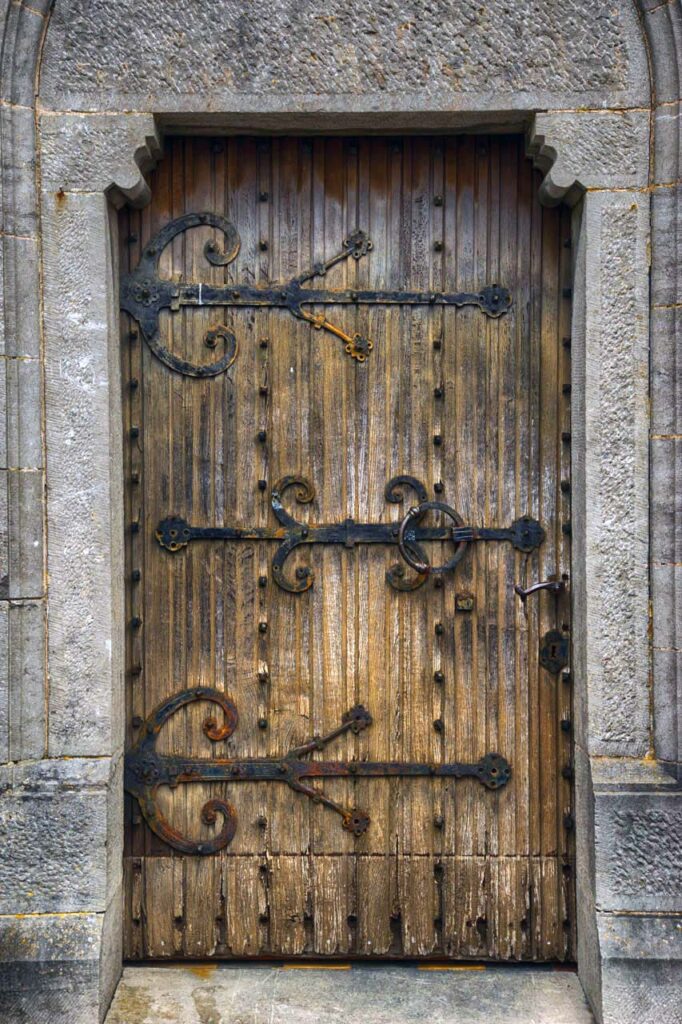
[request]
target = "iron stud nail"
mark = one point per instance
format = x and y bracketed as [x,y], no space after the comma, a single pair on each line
[438,921]
[438,392]
[137,721]
[566,389]
[437,200]
[437,246]
[263,197]
[566,677]
[438,676]
[437,344]
[568,243]
[263,245]
[438,487]
[262,627]
[136,575]
[565,725]
[136,670]
[263,390]
[566,342]
[439,629]
[282,769]
[566,436]
[262,485]
[262,822]
[136,622]
[437,440]
[565,486]
[263,918]
[439,822]
[134,383]
[262,723]
[569,821]
[134,432]
[135,478]
[438,582]
[263,343]
[131,239]
[566,293]
[352,919]
[566,528]
[132,334]
[135,527]
[262,581]
[438,725]
[262,436]
[567,771]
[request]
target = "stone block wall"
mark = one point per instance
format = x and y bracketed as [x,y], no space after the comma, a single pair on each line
[86,86]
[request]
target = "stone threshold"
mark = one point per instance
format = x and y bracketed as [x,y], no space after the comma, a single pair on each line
[343,993]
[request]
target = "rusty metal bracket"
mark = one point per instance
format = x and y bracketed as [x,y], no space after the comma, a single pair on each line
[146,770]
[144,293]
[175,533]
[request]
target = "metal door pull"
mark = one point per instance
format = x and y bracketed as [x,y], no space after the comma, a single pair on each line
[555,586]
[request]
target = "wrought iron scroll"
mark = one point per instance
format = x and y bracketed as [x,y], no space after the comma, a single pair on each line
[525,534]
[146,770]
[144,294]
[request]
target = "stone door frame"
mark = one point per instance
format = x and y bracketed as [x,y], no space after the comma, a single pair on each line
[63,176]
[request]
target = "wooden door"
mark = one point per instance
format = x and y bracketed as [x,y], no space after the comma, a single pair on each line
[472,406]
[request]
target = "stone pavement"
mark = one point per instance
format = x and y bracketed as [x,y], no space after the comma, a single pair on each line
[390,994]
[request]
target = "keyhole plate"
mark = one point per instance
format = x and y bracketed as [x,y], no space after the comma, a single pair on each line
[554,651]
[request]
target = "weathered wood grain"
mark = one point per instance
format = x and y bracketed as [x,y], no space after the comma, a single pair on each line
[446,869]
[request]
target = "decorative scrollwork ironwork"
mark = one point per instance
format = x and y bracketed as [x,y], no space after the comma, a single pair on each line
[146,770]
[525,534]
[144,294]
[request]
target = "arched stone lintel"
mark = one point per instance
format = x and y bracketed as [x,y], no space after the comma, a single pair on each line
[582,150]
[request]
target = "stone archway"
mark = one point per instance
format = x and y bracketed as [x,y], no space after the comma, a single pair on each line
[87,144]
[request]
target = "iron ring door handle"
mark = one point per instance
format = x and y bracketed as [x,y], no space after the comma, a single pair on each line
[409,533]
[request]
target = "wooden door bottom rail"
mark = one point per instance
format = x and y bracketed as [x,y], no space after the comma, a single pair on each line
[525,534]
[146,770]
